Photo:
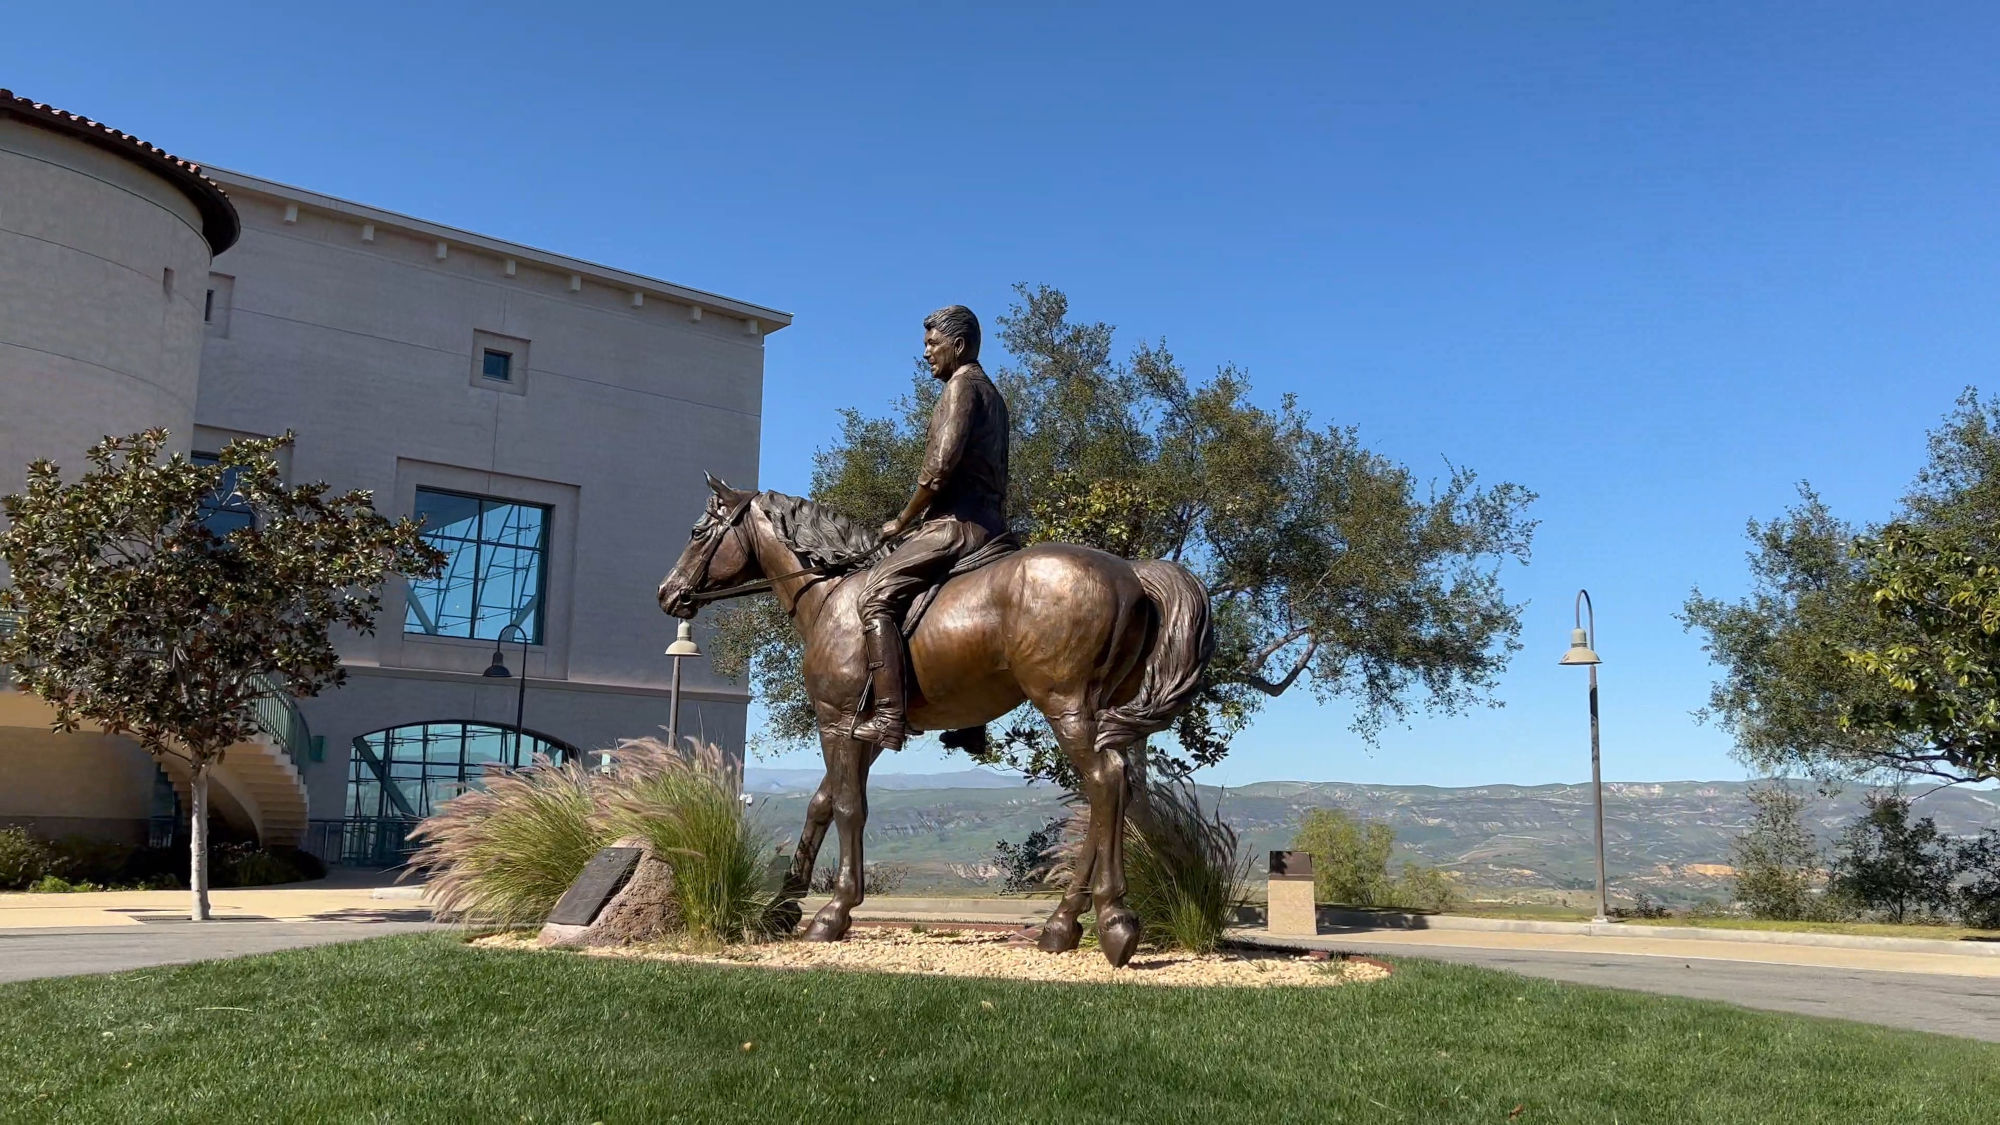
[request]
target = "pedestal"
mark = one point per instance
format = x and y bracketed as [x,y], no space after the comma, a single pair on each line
[1290,911]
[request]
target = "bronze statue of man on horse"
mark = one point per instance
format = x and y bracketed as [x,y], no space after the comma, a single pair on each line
[1109,650]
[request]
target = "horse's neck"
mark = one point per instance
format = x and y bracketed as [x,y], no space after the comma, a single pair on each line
[800,596]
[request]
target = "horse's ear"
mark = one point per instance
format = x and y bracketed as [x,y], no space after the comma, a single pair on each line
[718,487]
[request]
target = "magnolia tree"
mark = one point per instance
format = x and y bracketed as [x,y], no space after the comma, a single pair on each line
[134,614]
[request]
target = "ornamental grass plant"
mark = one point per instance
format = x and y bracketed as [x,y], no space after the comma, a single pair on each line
[505,853]
[687,806]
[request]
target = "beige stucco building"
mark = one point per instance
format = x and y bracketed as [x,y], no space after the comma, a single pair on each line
[549,418]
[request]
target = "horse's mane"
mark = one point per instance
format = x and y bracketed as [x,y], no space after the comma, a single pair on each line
[816,534]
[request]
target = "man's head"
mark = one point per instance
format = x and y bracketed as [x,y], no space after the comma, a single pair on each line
[951,340]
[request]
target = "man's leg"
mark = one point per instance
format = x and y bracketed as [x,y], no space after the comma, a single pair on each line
[896,581]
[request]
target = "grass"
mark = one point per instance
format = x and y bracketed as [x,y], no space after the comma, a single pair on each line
[424,1029]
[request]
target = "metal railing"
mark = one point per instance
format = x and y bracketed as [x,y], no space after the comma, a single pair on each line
[278,715]
[361,841]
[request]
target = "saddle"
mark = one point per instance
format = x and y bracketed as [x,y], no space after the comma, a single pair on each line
[992,551]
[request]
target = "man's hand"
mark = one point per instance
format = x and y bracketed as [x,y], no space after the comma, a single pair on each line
[893,529]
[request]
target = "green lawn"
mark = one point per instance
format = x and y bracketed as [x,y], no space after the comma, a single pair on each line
[427,1029]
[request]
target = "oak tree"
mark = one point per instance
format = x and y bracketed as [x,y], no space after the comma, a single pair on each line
[1330,567]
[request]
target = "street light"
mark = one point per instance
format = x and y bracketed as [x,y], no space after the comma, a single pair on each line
[1582,650]
[498,671]
[683,646]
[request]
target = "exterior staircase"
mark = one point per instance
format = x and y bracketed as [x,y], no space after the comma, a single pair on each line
[258,786]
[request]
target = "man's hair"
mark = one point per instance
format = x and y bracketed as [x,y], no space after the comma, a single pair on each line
[956,322]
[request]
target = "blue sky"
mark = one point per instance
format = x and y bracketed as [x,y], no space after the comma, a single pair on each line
[1656,262]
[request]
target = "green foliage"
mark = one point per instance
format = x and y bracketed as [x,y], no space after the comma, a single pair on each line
[1778,863]
[697,825]
[1350,857]
[1869,652]
[1940,590]
[135,616]
[24,858]
[1185,874]
[1328,565]
[506,852]
[57,885]
[1351,865]
[1979,893]
[1887,865]
[1024,866]
[251,866]
[1422,887]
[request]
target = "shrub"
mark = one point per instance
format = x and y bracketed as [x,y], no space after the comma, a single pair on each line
[686,806]
[876,878]
[506,852]
[246,865]
[1421,887]
[1025,865]
[86,860]
[1777,861]
[1979,896]
[57,885]
[24,858]
[1644,908]
[1890,866]
[1350,857]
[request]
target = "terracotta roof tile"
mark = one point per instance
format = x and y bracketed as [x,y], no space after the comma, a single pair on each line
[219,224]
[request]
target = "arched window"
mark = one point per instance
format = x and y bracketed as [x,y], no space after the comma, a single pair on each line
[405,773]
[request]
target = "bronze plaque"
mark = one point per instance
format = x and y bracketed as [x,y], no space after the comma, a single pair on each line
[1291,865]
[605,875]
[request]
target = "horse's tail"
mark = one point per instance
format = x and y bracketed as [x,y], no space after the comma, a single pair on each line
[1183,640]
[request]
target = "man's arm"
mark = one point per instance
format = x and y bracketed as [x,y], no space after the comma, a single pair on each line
[951,428]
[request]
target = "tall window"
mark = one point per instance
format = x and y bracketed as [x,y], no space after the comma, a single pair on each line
[223,511]
[497,552]
[407,772]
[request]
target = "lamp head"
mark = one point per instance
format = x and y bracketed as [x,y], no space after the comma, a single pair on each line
[684,641]
[498,669]
[1579,649]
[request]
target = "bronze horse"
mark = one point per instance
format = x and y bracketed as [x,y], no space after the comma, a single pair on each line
[1109,650]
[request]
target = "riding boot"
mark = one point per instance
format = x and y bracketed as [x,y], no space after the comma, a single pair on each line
[884,725]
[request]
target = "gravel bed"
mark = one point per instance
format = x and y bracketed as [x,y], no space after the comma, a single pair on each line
[964,952]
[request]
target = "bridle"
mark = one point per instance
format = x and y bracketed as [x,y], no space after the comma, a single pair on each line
[724,526]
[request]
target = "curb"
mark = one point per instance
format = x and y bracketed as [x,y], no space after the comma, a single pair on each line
[1336,923]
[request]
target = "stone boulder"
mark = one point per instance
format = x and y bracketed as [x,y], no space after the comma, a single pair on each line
[643,909]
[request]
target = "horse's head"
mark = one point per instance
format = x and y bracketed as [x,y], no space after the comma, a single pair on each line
[718,552]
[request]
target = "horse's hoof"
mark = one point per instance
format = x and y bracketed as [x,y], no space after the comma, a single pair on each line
[783,917]
[828,925]
[1059,935]
[1118,936]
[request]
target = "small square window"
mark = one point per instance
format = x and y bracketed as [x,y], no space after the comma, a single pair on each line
[497,365]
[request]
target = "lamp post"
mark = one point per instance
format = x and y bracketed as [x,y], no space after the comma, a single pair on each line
[1582,650]
[683,646]
[498,671]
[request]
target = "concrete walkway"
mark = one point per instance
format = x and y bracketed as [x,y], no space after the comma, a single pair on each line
[348,896]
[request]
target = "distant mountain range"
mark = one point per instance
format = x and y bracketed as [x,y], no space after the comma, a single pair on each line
[1671,839]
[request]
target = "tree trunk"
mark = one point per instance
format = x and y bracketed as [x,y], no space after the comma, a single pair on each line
[198,843]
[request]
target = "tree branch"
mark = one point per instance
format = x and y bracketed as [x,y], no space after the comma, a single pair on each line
[1276,689]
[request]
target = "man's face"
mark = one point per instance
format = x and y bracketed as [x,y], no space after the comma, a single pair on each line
[941,352]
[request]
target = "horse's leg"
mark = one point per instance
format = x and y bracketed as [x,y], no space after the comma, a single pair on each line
[848,762]
[1062,932]
[1103,854]
[819,813]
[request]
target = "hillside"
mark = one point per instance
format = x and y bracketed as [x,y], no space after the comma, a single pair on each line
[1669,838]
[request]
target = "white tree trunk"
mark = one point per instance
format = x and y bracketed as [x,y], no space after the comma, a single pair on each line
[198,843]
